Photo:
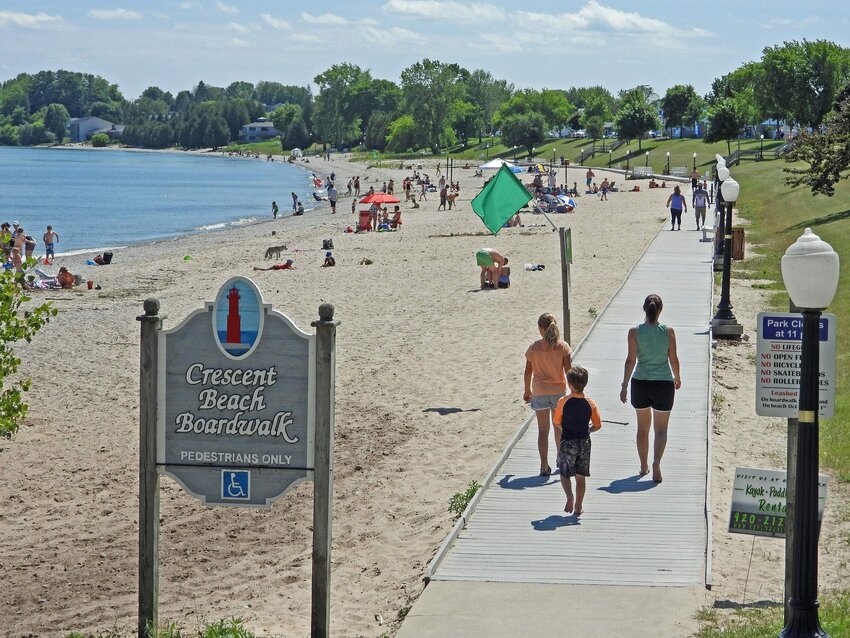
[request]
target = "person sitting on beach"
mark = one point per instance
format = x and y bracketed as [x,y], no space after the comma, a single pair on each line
[17,260]
[653,183]
[287,266]
[663,185]
[513,221]
[505,277]
[65,278]
[299,210]
[329,260]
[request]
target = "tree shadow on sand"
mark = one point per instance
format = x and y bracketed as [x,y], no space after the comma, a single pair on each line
[628,484]
[551,523]
[524,482]
[445,411]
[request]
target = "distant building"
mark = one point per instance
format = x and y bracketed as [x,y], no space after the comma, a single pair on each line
[258,131]
[81,129]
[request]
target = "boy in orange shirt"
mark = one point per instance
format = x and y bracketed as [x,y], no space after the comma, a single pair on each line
[578,416]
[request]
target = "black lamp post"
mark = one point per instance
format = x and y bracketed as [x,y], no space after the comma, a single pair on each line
[628,153]
[724,324]
[695,161]
[667,167]
[761,147]
[810,271]
[609,158]
[646,160]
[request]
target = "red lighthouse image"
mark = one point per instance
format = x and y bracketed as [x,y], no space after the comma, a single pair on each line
[238,321]
[234,321]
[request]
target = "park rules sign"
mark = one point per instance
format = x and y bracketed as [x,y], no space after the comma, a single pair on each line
[236,400]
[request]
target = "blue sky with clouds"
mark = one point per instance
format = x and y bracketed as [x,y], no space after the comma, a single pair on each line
[557,44]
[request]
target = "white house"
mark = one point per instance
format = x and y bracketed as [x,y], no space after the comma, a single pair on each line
[258,131]
[81,129]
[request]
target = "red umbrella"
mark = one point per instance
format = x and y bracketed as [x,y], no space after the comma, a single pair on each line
[380,198]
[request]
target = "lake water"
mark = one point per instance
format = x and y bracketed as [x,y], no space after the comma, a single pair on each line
[99,199]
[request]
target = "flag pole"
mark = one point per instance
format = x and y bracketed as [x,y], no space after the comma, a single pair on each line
[542,212]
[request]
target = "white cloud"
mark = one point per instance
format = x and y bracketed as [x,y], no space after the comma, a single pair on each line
[495,43]
[226,8]
[391,36]
[325,18]
[305,37]
[186,5]
[28,20]
[114,14]
[453,11]
[241,28]
[239,43]
[160,15]
[368,21]
[275,23]
[596,17]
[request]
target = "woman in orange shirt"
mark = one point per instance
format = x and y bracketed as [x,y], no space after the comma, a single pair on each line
[546,363]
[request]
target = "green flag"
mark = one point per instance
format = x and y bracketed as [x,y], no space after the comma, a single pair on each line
[500,199]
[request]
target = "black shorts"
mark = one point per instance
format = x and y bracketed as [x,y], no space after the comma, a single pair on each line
[657,395]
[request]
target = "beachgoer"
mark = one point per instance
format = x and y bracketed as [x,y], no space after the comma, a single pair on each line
[299,210]
[588,176]
[422,191]
[603,187]
[653,360]
[700,204]
[443,192]
[287,266]
[332,197]
[349,186]
[505,277]
[275,210]
[577,416]
[65,278]
[29,246]
[546,363]
[694,179]
[676,203]
[17,259]
[329,260]
[491,263]
[357,186]
[6,240]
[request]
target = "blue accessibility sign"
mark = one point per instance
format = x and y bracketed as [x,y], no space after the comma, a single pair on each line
[236,485]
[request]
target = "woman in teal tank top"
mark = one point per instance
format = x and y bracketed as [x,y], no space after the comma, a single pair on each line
[653,368]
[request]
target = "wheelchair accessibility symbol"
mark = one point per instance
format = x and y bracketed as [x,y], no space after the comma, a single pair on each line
[236,485]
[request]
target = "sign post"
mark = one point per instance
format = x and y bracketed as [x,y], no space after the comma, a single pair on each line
[151,323]
[566,259]
[237,406]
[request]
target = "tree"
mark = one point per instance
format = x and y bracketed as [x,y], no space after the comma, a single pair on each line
[297,135]
[377,129]
[240,90]
[552,105]
[156,93]
[596,114]
[284,116]
[488,94]
[235,114]
[725,122]
[332,118]
[35,133]
[466,120]
[636,114]
[827,153]
[676,103]
[430,89]
[55,119]
[16,323]
[579,96]
[525,129]
[99,140]
[801,79]
[402,134]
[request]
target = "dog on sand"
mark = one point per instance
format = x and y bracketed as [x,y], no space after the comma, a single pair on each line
[275,251]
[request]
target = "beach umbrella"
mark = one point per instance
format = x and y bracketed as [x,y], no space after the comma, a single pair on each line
[567,201]
[380,198]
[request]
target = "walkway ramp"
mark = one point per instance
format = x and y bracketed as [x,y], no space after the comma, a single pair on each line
[633,532]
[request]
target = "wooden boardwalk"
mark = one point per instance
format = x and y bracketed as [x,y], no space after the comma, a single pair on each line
[632,532]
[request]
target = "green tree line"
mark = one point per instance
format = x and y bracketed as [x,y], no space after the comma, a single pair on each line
[435,106]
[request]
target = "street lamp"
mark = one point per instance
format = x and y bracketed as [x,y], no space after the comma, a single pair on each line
[646,161]
[609,158]
[724,324]
[810,271]
[667,168]
[722,174]
[761,147]
[628,153]
[695,161]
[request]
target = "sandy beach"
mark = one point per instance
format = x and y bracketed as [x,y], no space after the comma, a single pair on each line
[428,391]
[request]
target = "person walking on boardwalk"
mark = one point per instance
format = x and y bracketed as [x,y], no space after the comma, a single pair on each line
[546,363]
[653,360]
[676,203]
[577,416]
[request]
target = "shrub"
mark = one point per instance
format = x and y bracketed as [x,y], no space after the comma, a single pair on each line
[16,324]
[99,140]
[460,500]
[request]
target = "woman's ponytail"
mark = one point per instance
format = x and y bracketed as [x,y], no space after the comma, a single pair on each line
[549,325]
[652,306]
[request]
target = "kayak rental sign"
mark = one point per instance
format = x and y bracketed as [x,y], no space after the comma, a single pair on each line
[236,413]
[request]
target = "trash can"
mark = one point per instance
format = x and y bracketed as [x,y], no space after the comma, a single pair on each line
[737,242]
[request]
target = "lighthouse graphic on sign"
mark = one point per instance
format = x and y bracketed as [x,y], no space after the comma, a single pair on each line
[237,317]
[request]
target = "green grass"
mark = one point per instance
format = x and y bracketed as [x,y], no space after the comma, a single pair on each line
[229,628]
[779,214]
[758,623]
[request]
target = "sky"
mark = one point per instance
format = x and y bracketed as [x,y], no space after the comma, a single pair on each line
[557,44]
